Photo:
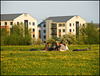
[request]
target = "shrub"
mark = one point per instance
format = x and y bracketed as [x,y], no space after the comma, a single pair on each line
[52,41]
[37,41]
[68,39]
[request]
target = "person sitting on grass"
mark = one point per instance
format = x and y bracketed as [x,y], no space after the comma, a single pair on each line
[46,48]
[63,47]
[51,47]
[57,46]
[66,47]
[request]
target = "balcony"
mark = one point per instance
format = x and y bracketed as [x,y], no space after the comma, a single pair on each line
[53,34]
[53,26]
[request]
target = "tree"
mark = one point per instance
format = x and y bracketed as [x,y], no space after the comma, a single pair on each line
[3,35]
[18,36]
[89,34]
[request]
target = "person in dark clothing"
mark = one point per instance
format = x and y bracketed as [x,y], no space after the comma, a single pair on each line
[51,47]
[82,49]
[57,46]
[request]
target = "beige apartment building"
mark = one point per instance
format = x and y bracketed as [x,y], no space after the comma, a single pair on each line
[59,26]
[8,20]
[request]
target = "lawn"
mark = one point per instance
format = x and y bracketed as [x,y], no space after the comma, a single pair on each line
[15,60]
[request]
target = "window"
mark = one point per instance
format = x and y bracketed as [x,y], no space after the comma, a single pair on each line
[17,23]
[59,30]
[5,23]
[73,30]
[33,30]
[0,23]
[63,30]
[73,24]
[83,24]
[11,23]
[44,31]
[44,37]
[59,25]
[33,35]
[44,25]
[63,24]
[26,23]
[70,24]
[29,23]
[69,30]
[33,23]
[54,25]
[39,31]
[80,24]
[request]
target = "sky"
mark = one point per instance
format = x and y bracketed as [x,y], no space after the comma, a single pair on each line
[88,10]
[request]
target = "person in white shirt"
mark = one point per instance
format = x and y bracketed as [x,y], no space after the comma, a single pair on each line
[66,47]
[62,48]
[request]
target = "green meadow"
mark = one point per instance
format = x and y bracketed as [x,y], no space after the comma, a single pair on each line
[19,60]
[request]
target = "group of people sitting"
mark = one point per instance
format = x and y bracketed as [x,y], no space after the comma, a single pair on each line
[58,47]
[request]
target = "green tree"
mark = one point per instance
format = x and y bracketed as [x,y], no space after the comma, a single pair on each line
[18,36]
[3,35]
[56,38]
[89,34]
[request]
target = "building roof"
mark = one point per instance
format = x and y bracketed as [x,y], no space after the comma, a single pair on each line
[39,25]
[8,17]
[60,18]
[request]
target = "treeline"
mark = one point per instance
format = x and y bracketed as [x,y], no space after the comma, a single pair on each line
[88,34]
[21,35]
[18,35]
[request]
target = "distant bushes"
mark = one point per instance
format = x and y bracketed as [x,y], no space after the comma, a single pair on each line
[16,39]
[19,35]
[37,41]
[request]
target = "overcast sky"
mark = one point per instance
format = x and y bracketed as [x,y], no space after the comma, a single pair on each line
[88,10]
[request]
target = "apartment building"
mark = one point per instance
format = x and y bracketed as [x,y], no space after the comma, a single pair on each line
[9,20]
[42,31]
[59,26]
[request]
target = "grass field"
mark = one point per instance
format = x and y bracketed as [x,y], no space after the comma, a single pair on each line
[16,61]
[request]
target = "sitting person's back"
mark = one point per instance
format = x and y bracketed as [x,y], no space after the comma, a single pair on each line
[62,48]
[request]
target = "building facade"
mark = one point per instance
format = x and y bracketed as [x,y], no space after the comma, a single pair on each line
[42,31]
[9,20]
[59,26]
